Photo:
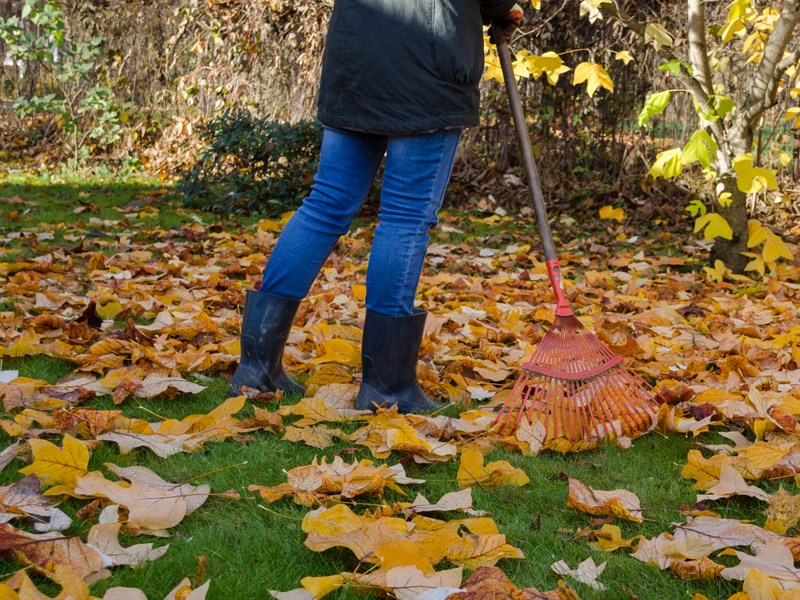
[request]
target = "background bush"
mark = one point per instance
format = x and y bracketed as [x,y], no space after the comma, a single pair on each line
[253,165]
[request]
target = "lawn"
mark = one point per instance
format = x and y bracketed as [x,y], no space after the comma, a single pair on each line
[246,547]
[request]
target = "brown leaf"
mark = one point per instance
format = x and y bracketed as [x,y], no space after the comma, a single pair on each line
[104,538]
[48,551]
[619,503]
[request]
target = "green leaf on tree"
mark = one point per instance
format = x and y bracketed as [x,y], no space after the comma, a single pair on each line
[653,105]
[700,148]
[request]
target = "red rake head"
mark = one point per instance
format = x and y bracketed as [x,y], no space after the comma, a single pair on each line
[578,388]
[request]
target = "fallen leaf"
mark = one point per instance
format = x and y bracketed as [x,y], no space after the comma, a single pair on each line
[586,572]
[472,471]
[617,503]
[54,465]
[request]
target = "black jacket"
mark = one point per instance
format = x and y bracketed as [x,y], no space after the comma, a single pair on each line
[404,66]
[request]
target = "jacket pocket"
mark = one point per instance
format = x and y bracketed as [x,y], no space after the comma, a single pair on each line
[457,40]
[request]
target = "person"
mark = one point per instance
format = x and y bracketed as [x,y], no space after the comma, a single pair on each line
[399,80]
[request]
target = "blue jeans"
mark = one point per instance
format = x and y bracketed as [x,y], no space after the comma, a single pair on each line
[415,176]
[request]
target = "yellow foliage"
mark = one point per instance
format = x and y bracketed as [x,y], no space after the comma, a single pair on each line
[54,465]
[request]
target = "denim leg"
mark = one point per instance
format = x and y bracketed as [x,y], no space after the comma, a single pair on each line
[416,173]
[347,166]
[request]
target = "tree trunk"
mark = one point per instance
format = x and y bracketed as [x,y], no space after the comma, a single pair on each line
[730,251]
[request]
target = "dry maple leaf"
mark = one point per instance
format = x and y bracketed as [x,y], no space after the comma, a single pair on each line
[389,431]
[609,538]
[54,465]
[320,436]
[460,501]
[72,586]
[617,503]
[22,499]
[104,538]
[152,503]
[472,471]
[586,572]
[699,569]
[783,512]
[47,551]
[773,560]
[731,483]
[311,483]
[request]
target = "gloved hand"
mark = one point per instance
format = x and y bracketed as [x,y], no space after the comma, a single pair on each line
[502,27]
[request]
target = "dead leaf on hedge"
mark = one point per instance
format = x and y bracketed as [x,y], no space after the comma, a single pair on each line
[617,503]
[310,484]
[472,471]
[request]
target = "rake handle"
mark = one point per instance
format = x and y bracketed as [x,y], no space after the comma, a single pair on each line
[551,259]
[527,151]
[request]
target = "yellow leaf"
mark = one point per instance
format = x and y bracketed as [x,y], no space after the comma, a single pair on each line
[725,199]
[537,4]
[609,538]
[785,159]
[668,164]
[54,465]
[549,63]
[19,348]
[756,233]
[775,248]
[717,273]
[752,179]
[322,586]
[594,75]
[793,114]
[617,503]
[471,471]
[109,310]
[624,56]
[492,64]
[713,225]
[612,214]
[656,35]
[359,292]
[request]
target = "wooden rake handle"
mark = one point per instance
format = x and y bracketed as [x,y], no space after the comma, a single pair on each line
[551,259]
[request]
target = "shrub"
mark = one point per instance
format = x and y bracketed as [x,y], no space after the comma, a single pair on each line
[252,165]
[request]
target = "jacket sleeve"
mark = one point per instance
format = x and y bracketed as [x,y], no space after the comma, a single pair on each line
[496,8]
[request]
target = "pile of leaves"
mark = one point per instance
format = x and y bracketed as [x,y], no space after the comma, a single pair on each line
[153,313]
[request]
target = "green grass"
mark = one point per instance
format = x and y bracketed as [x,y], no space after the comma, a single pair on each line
[249,549]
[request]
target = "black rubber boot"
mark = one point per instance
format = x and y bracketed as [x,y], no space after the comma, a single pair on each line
[389,352]
[266,324]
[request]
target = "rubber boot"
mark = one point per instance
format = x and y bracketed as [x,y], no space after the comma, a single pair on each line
[389,350]
[266,324]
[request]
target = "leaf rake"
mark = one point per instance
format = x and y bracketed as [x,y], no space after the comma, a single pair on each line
[574,385]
